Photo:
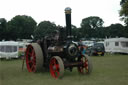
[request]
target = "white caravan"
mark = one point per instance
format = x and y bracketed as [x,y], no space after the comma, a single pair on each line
[9,49]
[116,45]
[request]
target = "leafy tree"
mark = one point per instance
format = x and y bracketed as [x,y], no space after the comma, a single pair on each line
[122,2]
[124,14]
[90,25]
[124,10]
[3,28]
[93,22]
[44,28]
[106,32]
[125,31]
[116,30]
[100,32]
[21,27]
[76,32]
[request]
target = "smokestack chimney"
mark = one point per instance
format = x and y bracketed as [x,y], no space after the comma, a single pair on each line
[68,21]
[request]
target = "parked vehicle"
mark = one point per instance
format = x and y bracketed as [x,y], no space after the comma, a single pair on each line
[9,49]
[88,43]
[116,45]
[96,49]
[12,49]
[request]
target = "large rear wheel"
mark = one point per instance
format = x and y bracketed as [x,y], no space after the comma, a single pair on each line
[34,58]
[86,67]
[56,67]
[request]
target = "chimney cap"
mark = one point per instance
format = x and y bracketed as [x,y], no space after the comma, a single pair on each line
[68,10]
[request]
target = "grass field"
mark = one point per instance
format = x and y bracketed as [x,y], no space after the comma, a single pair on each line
[107,70]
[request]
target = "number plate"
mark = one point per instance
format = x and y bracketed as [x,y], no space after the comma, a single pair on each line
[99,53]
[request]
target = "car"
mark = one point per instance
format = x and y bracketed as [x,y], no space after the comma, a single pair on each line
[88,43]
[96,49]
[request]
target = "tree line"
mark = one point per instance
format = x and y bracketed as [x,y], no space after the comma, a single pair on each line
[23,26]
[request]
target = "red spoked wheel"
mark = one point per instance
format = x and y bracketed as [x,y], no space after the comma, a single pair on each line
[56,67]
[86,67]
[34,58]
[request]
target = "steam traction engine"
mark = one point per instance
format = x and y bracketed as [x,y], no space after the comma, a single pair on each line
[56,54]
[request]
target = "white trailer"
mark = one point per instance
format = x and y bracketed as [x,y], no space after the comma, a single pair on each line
[9,49]
[116,45]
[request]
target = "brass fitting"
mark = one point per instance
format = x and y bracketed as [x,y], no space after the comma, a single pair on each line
[68,10]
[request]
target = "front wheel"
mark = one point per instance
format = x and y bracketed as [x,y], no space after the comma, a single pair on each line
[86,67]
[56,67]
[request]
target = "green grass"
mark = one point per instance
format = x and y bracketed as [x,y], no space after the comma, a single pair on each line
[107,70]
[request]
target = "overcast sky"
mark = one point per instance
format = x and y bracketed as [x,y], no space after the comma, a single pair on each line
[53,10]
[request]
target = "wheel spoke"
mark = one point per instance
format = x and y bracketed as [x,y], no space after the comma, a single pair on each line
[33,67]
[29,62]
[81,69]
[86,64]
[29,54]
[57,66]
[30,47]
[56,71]
[54,61]
[56,74]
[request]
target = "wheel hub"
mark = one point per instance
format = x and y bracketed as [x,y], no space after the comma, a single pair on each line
[54,68]
[31,58]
